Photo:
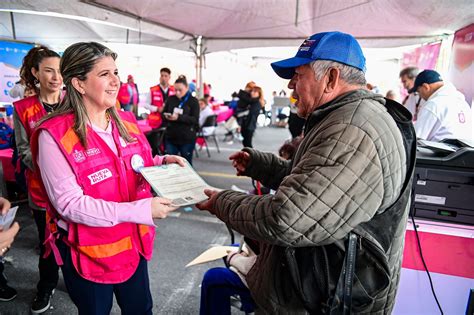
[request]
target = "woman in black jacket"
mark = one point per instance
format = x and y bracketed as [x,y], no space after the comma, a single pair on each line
[181,113]
[249,123]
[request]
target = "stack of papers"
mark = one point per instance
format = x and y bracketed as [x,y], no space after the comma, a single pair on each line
[181,184]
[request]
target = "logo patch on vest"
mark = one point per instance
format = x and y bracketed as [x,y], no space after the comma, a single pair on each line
[78,156]
[99,176]
[92,151]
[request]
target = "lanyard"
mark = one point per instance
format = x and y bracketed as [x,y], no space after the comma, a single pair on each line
[184,100]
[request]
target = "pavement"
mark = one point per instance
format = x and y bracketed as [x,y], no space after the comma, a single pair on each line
[180,238]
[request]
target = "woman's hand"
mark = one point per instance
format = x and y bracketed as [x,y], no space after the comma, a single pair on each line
[174,159]
[5,205]
[160,207]
[7,237]
[240,161]
[172,117]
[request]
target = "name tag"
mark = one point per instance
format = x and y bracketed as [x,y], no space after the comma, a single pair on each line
[99,176]
[178,111]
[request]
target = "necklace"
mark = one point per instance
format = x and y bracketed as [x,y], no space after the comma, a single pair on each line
[48,107]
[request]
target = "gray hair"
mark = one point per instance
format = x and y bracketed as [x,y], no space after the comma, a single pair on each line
[410,72]
[77,61]
[348,74]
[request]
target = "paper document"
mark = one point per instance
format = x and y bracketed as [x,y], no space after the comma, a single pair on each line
[181,184]
[211,254]
[436,146]
[7,219]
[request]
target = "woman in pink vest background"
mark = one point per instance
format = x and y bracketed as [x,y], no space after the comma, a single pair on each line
[101,208]
[40,72]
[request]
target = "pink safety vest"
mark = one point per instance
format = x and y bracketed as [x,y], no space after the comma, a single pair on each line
[30,111]
[103,254]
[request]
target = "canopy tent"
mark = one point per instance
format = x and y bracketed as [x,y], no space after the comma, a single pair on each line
[226,25]
[214,25]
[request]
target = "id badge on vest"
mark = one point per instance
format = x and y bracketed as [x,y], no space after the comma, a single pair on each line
[137,163]
[178,111]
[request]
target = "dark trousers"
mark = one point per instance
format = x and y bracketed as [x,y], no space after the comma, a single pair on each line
[133,296]
[185,150]
[48,268]
[217,286]
[3,279]
[247,135]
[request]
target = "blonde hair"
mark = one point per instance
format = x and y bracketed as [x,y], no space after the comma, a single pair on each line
[77,61]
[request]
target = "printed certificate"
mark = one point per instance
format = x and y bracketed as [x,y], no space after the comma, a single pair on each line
[181,184]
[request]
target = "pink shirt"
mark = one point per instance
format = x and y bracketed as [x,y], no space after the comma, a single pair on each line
[68,198]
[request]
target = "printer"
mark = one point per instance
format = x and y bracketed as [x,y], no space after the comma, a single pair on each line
[444,181]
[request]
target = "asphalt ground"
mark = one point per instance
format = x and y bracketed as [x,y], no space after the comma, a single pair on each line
[180,238]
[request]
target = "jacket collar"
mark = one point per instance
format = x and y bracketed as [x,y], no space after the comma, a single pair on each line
[353,96]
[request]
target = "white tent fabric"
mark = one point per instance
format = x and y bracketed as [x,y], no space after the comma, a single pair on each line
[228,25]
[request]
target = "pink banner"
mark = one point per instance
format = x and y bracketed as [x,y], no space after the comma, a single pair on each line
[423,57]
[461,67]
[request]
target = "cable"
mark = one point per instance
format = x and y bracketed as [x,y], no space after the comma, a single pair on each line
[424,263]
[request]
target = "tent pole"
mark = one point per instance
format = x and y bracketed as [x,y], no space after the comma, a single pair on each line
[199,53]
[297,9]
[12,19]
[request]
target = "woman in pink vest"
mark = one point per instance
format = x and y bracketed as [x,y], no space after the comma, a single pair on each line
[40,72]
[101,208]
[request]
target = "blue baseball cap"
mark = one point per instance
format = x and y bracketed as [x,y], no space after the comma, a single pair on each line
[334,46]
[425,76]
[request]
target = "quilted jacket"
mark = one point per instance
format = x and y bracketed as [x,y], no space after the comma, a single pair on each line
[350,166]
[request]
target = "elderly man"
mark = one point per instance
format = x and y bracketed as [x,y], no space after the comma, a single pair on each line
[412,101]
[446,114]
[348,184]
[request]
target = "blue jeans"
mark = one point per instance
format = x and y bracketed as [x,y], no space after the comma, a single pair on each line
[217,286]
[185,150]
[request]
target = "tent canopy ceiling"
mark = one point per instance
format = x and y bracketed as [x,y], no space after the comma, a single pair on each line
[228,25]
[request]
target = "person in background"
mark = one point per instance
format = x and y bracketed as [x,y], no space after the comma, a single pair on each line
[181,114]
[101,209]
[413,102]
[7,293]
[391,95]
[40,72]
[331,191]
[129,96]
[446,114]
[249,122]
[160,93]
[205,111]
[295,122]
[155,102]
[18,90]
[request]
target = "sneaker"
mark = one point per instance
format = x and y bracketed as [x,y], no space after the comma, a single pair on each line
[7,293]
[42,302]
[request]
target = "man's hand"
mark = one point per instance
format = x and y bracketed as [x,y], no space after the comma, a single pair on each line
[240,161]
[208,204]
[160,207]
